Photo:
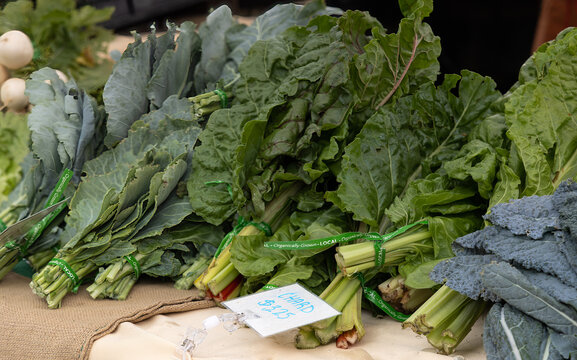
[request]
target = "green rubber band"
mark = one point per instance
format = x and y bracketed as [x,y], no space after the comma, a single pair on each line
[378,301]
[54,198]
[223,98]
[66,269]
[262,226]
[228,186]
[11,245]
[135,265]
[231,234]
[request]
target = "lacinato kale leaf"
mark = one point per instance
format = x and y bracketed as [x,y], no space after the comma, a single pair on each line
[514,288]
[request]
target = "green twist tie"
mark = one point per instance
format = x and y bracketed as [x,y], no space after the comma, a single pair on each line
[241,224]
[3,226]
[36,51]
[262,226]
[228,186]
[135,265]
[380,251]
[223,98]
[67,269]
[11,245]
[231,234]
[378,301]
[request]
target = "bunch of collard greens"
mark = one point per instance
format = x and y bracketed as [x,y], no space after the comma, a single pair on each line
[66,129]
[128,193]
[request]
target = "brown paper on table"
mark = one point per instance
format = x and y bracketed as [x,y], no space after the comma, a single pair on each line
[159,338]
[30,330]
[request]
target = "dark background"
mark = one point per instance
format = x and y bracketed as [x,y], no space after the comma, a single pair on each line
[491,37]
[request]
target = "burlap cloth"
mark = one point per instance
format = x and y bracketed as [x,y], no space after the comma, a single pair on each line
[30,330]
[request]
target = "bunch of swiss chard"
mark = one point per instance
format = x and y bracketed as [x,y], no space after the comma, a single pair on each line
[300,98]
[537,154]
[66,129]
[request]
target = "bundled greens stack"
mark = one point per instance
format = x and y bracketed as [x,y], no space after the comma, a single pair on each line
[128,193]
[188,244]
[525,264]
[66,129]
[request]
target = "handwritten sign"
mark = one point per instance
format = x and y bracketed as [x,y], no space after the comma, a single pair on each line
[281,309]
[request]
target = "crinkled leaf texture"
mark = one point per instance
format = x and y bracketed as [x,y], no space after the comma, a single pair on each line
[400,141]
[540,114]
[514,288]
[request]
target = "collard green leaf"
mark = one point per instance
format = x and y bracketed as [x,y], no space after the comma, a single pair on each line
[126,104]
[174,71]
[214,51]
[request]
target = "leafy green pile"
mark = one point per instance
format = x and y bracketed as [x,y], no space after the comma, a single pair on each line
[14,142]
[65,37]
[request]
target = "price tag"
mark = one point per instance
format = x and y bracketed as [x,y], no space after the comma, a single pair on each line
[281,309]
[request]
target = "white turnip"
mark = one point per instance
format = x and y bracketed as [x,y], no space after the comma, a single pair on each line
[16,50]
[13,96]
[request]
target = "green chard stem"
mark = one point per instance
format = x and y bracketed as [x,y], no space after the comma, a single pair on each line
[358,257]
[218,274]
[443,306]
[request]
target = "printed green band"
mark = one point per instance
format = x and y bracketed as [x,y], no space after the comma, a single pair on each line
[402,229]
[66,269]
[228,186]
[223,98]
[54,198]
[135,265]
[378,301]
[321,243]
[3,226]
